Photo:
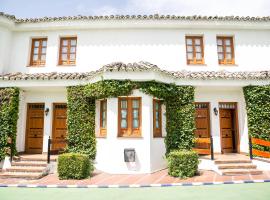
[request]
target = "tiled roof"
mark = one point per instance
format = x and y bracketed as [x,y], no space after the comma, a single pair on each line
[139,67]
[139,17]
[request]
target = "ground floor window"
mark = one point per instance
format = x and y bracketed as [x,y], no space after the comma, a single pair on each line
[103,118]
[129,116]
[157,118]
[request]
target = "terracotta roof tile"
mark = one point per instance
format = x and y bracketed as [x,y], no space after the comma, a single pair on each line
[138,17]
[139,67]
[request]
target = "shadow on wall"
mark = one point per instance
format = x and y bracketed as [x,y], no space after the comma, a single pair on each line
[134,166]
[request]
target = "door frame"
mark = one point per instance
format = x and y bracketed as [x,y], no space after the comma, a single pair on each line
[236,124]
[53,119]
[27,126]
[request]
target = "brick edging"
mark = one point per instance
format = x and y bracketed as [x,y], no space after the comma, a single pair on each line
[132,185]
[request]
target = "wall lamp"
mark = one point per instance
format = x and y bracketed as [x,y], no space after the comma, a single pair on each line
[215,111]
[47,110]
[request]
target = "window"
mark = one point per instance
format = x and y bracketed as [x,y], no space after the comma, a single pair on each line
[194,48]
[67,54]
[225,50]
[129,116]
[157,118]
[38,52]
[103,118]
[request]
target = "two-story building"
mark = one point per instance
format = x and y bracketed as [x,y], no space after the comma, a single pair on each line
[217,55]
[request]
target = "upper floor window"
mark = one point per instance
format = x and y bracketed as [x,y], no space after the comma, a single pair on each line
[103,118]
[38,51]
[129,117]
[194,48]
[225,50]
[67,54]
[157,120]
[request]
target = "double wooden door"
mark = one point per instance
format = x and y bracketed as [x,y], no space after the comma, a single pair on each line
[228,129]
[34,127]
[59,131]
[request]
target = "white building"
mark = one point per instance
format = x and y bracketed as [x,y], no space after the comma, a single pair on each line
[217,55]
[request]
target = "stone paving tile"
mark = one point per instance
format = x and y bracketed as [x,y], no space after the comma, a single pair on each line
[220,178]
[259,177]
[241,177]
[160,177]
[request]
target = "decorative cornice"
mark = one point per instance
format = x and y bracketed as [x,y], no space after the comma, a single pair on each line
[141,67]
[138,17]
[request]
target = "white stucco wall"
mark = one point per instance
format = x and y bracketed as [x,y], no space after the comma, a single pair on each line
[41,95]
[158,148]
[5,41]
[110,150]
[159,45]
[214,95]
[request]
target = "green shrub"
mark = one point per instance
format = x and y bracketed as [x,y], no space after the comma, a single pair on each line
[9,108]
[182,163]
[74,166]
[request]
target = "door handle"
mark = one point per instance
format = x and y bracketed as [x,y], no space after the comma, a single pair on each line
[35,135]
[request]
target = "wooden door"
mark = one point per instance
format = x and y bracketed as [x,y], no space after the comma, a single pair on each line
[34,127]
[59,131]
[202,122]
[228,130]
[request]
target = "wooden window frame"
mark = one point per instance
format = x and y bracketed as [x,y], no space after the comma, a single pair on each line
[225,61]
[38,62]
[68,61]
[157,132]
[129,132]
[194,61]
[103,130]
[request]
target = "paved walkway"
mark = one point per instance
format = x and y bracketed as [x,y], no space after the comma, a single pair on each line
[160,177]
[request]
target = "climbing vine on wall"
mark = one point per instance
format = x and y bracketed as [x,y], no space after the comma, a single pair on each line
[258,112]
[9,108]
[180,110]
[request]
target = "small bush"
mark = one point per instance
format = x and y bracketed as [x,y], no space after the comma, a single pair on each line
[74,166]
[182,163]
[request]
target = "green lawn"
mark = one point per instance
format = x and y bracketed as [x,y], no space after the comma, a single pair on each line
[252,191]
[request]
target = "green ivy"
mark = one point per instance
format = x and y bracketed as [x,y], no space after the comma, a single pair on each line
[81,122]
[9,108]
[180,110]
[258,112]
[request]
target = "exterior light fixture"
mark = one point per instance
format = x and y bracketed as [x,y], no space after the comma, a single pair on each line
[215,111]
[47,111]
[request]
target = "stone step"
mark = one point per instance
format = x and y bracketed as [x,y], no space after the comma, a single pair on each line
[25,169]
[232,172]
[22,175]
[227,161]
[29,163]
[237,166]
[34,158]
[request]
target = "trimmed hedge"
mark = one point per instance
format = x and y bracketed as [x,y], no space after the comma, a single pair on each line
[183,163]
[74,166]
[258,111]
[180,110]
[9,109]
